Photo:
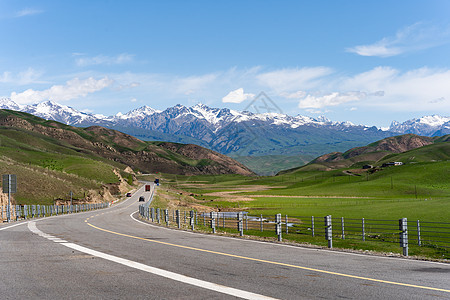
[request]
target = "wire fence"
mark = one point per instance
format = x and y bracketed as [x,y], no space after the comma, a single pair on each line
[402,231]
[17,212]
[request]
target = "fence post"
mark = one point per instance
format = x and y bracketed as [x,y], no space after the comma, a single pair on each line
[403,227]
[286,221]
[418,233]
[342,227]
[312,225]
[158,215]
[278,226]
[177,214]
[246,221]
[240,226]
[261,223]
[192,221]
[363,229]
[152,213]
[328,231]
[213,221]
[166,216]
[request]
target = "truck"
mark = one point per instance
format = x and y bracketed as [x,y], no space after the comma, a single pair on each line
[147,187]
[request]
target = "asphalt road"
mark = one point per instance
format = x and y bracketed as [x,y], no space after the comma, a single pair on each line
[109,254]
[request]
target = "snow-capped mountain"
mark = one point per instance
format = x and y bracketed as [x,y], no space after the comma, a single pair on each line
[53,111]
[428,126]
[223,130]
[6,103]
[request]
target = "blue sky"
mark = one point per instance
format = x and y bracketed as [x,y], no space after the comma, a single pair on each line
[368,62]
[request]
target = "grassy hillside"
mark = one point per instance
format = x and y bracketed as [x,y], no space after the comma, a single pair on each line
[419,189]
[272,164]
[47,170]
[51,159]
[112,145]
[382,151]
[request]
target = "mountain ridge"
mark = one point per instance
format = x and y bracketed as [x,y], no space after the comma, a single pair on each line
[238,134]
[377,152]
[128,150]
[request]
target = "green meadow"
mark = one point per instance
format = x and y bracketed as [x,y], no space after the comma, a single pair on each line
[415,191]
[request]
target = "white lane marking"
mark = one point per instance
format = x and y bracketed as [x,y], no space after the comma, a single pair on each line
[156,271]
[294,247]
[7,227]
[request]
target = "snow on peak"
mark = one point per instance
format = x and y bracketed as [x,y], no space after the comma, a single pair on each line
[7,103]
[434,120]
[212,115]
[139,113]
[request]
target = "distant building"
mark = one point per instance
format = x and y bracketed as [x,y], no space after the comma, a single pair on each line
[365,167]
[392,163]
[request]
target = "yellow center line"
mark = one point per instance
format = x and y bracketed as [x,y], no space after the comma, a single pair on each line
[271,262]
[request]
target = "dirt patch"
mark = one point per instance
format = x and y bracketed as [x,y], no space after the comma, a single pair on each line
[284,196]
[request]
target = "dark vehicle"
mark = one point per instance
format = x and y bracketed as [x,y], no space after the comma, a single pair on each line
[128,194]
[157,181]
[147,187]
[141,199]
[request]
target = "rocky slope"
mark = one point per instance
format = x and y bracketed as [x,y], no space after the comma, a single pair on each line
[376,151]
[128,150]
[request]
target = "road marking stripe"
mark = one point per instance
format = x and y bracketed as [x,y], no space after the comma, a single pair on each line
[156,271]
[7,227]
[273,262]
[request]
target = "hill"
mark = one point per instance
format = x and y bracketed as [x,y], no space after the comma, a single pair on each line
[51,159]
[236,134]
[404,148]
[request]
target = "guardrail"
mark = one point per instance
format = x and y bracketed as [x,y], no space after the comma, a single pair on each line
[402,231]
[16,212]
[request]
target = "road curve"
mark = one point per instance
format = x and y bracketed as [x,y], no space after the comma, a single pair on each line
[110,254]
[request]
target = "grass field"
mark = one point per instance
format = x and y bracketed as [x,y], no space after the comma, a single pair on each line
[417,191]
[48,169]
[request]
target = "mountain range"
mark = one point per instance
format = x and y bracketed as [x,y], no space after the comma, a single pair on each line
[242,135]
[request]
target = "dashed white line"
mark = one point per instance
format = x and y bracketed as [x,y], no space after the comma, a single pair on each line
[156,271]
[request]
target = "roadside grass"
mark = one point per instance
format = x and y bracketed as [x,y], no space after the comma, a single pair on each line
[436,209]
[37,185]
[417,191]
[48,169]
[357,245]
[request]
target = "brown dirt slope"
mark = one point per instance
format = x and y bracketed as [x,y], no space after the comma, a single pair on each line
[375,151]
[143,156]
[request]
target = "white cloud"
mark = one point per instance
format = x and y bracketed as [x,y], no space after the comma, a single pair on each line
[289,80]
[407,91]
[418,36]
[133,100]
[24,77]
[103,59]
[332,99]
[73,89]
[28,12]
[192,84]
[295,95]
[237,96]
